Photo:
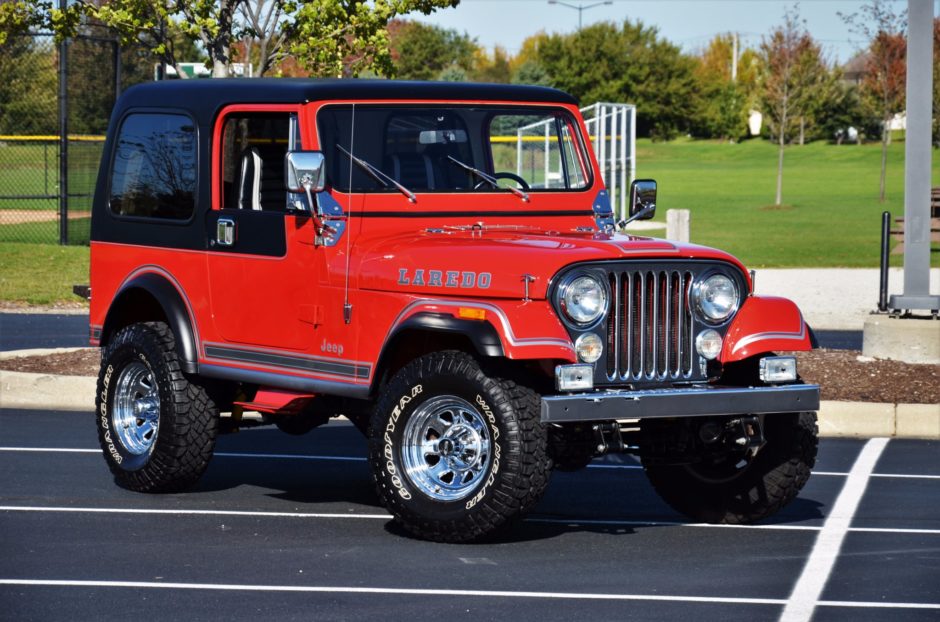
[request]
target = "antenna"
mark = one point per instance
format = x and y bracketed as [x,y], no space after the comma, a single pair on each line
[347,307]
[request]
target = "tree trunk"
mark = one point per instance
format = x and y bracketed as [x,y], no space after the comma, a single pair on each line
[219,69]
[802,129]
[885,133]
[780,170]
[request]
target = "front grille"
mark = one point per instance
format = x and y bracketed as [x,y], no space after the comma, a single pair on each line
[649,327]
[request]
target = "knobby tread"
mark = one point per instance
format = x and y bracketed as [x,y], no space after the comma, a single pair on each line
[188,422]
[525,466]
[774,479]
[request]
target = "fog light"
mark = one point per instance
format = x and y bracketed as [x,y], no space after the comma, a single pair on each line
[574,377]
[778,369]
[708,343]
[589,347]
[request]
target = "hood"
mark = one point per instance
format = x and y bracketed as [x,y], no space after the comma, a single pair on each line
[493,261]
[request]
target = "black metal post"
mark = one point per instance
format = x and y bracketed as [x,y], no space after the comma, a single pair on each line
[117,70]
[63,137]
[883,285]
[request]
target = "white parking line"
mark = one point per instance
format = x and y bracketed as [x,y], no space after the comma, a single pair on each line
[341,589]
[532,519]
[596,465]
[805,596]
[184,512]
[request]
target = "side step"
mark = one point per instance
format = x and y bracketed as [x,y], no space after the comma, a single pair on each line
[277,402]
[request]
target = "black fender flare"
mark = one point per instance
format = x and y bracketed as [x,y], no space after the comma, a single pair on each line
[174,308]
[482,335]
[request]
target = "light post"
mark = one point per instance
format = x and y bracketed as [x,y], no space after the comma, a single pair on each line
[580,8]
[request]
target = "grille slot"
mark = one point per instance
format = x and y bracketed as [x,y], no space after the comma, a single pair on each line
[649,329]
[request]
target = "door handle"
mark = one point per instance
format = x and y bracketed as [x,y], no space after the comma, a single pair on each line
[225,232]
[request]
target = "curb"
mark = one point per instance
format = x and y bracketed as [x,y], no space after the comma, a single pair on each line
[836,419]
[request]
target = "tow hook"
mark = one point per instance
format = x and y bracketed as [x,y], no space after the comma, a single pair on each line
[748,434]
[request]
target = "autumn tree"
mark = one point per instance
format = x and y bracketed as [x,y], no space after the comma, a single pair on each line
[790,59]
[726,88]
[327,37]
[885,79]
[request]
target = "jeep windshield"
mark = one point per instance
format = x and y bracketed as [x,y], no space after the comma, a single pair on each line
[438,148]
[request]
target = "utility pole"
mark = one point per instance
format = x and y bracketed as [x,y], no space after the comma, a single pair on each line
[734,57]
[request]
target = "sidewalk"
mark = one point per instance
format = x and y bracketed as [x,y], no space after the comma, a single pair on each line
[833,298]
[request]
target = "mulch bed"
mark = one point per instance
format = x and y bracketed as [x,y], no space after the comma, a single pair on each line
[840,373]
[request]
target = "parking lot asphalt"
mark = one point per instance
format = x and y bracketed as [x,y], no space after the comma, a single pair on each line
[20,331]
[290,528]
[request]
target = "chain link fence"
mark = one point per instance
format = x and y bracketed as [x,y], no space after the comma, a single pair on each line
[32,158]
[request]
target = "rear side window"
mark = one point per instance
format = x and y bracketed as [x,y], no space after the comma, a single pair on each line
[153,174]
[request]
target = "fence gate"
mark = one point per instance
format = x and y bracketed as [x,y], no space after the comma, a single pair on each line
[612,130]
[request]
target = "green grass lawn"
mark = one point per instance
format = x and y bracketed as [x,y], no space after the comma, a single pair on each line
[830,215]
[41,273]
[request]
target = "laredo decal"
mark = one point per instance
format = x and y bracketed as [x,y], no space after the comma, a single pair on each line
[444,278]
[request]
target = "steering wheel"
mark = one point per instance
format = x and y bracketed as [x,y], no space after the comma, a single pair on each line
[522,183]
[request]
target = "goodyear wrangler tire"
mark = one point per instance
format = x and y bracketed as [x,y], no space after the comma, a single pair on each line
[744,493]
[457,455]
[156,428]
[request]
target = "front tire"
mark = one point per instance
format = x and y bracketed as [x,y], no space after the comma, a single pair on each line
[156,428]
[457,455]
[734,493]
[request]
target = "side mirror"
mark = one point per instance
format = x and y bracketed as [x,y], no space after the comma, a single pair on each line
[642,199]
[304,171]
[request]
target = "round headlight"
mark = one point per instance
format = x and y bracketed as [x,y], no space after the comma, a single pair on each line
[584,299]
[716,298]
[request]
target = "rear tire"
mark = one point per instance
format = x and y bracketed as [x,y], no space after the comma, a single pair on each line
[156,428]
[457,455]
[726,493]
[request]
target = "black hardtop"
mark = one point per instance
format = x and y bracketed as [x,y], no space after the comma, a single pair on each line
[205,96]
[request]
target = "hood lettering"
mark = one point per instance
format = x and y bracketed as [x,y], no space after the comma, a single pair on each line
[444,278]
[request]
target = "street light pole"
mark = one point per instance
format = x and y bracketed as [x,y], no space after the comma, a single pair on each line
[580,8]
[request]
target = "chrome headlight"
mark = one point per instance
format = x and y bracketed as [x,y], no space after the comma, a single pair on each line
[583,299]
[716,298]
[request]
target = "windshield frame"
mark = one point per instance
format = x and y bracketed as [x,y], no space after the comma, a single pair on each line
[568,116]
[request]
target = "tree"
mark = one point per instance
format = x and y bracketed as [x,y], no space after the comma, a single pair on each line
[327,37]
[790,60]
[724,96]
[885,80]
[629,63]
[28,73]
[493,68]
[531,72]
[422,51]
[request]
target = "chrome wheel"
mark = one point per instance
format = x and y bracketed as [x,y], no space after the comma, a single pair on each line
[446,448]
[136,410]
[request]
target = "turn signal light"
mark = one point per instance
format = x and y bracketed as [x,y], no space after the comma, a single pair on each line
[471,313]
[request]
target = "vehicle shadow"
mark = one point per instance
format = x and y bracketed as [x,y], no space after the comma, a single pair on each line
[609,501]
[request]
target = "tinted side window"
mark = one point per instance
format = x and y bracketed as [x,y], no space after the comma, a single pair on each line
[154,170]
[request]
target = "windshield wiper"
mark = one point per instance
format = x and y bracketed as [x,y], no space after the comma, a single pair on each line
[379,176]
[489,178]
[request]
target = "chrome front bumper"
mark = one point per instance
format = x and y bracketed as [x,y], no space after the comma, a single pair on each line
[696,401]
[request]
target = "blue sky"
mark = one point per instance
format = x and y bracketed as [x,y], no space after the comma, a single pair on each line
[687,23]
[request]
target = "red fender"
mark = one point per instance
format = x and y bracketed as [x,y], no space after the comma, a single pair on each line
[527,329]
[765,324]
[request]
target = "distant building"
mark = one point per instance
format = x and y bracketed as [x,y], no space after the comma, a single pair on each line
[854,70]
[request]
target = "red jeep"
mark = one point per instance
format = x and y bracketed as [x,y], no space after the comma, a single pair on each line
[439,263]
